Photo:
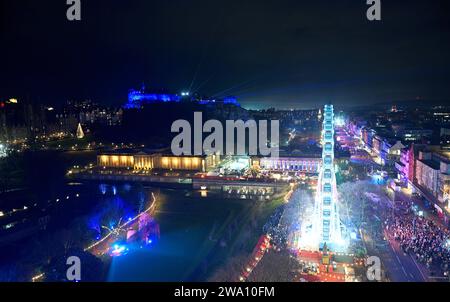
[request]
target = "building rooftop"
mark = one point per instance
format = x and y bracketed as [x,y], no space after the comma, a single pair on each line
[161,152]
[444,156]
[435,165]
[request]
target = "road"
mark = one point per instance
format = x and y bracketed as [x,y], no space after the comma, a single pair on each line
[405,268]
[433,274]
[398,266]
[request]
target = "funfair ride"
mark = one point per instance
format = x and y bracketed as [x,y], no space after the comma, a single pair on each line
[325,225]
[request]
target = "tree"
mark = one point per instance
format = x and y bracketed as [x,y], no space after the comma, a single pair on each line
[275,267]
[231,271]
[11,172]
[41,250]
[92,268]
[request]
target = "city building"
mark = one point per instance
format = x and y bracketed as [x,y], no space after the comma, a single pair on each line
[21,120]
[290,164]
[377,144]
[355,127]
[445,138]
[139,98]
[142,161]
[442,115]
[417,135]
[391,151]
[403,167]
[87,112]
[432,172]
[367,135]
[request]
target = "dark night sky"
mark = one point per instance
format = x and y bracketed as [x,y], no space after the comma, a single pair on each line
[279,53]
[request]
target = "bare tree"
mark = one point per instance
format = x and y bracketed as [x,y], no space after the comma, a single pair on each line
[275,267]
[231,271]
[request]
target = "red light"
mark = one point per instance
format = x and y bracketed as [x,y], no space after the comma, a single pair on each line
[2,105]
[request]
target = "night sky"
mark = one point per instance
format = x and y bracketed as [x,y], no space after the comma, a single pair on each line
[269,53]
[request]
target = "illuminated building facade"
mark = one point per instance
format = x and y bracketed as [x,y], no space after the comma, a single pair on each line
[433,175]
[415,135]
[115,161]
[367,135]
[290,164]
[403,167]
[138,98]
[143,162]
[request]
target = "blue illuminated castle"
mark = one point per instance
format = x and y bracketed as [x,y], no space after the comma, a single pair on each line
[138,98]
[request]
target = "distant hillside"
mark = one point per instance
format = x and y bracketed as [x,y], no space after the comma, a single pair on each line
[403,104]
[419,103]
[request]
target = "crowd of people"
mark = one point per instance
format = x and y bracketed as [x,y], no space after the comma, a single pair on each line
[422,238]
[276,231]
